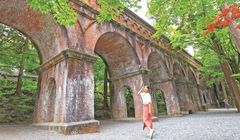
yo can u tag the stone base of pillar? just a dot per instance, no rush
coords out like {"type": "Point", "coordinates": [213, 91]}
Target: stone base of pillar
{"type": "Point", "coordinates": [72, 128]}
{"type": "Point", "coordinates": [205, 108]}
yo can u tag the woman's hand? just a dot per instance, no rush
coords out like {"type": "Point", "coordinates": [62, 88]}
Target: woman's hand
{"type": "Point", "coordinates": [149, 108]}
{"type": "Point", "coordinates": [140, 91]}
{"type": "Point", "coordinates": [150, 111]}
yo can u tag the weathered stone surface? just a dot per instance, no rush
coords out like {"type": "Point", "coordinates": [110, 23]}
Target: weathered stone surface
{"type": "Point", "coordinates": [72, 128]}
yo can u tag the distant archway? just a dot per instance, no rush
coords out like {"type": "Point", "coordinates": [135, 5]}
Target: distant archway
{"type": "Point", "coordinates": [159, 103]}
{"type": "Point", "coordinates": [19, 61]}
{"type": "Point", "coordinates": [127, 102]}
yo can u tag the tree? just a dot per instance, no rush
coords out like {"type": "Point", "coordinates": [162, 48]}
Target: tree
{"type": "Point", "coordinates": [18, 76]}
{"type": "Point", "coordinates": [17, 53]}
{"type": "Point", "coordinates": [227, 18]}
{"type": "Point", "coordinates": [101, 80]}
{"type": "Point", "coordinates": [184, 22]}
{"type": "Point", "coordinates": [60, 9]}
{"type": "Point", "coordinates": [113, 8]}
{"type": "Point", "coordinates": [65, 15]}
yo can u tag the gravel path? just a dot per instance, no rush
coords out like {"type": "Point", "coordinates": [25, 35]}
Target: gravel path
{"type": "Point", "coordinates": [214, 125]}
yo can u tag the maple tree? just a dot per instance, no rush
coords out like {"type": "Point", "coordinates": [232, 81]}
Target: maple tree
{"type": "Point", "coordinates": [224, 18]}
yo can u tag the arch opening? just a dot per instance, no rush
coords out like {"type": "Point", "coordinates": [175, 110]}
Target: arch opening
{"type": "Point", "coordinates": [159, 103]}
{"type": "Point", "coordinates": [19, 62]}
{"type": "Point", "coordinates": [101, 90]}
{"type": "Point", "coordinates": [129, 102]}
{"type": "Point", "coordinates": [119, 58]}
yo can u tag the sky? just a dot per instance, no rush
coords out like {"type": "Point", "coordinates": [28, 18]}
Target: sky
{"type": "Point", "coordinates": [142, 13]}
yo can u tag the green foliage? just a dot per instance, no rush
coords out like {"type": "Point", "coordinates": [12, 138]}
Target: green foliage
{"type": "Point", "coordinates": [129, 102]}
{"type": "Point", "coordinates": [184, 22]}
{"type": "Point", "coordinates": [65, 15]}
{"type": "Point", "coordinates": [99, 68]}
{"type": "Point", "coordinates": [60, 9]}
{"type": "Point", "coordinates": [113, 8]}
{"type": "Point", "coordinates": [161, 105]}
{"type": "Point", "coordinates": [29, 86]}
{"type": "Point", "coordinates": [14, 47]}
{"type": "Point", "coordinates": [100, 111]}
{"type": "Point", "coordinates": [15, 109]}
{"type": "Point", "coordinates": [211, 68]}
{"type": "Point", "coordinates": [236, 75]}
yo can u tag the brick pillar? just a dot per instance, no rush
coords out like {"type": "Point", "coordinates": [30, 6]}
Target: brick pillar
{"type": "Point", "coordinates": [202, 89]}
{"type": "Point", "coordinates": [184, 99]}
{"type": "Point", "coordinates": [73, 108]}
{"type": "Point", "coordinates": [193, 91]}
{"type": "Point", "coordinates": [172, 103]}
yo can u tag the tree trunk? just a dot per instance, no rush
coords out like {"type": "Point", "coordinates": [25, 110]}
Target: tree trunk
{"type": "Point", "coordinates": [105, 93]}
{"type": "Point", "coordinates": [233, 29]}
{"type": "Point", "coordinates": [227, 72]}
{"type": "Point", "coordinates": [224, 90]}
{"type": "Point", "coordinates": [21, 50]}
{"type": "Point", "coordinates": [20, 76]}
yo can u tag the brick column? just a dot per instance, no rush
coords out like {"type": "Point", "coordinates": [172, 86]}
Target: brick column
{"type": "Point", "coordinates": [184, 99]}
{"type": "Point", "coordinates": [73, 108]}
{"type": "Point", "coordinates": [193, 91]}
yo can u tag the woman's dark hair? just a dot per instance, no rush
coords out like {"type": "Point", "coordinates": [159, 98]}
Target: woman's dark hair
{"type": "Point", "coordinates": [147, 87]}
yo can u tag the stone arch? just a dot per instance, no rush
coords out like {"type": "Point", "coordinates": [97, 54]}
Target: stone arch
{"type": "Point", "coordinates": [120, 58]}
{"type": "Point", "coordinates": [191, 76]}
{"type": "Point", "coordinates": [41, 29]}
{"type": "Point", "coordinates": [98, 30]}
{"type": "Point", "coordinates": [156, 65]}
{"type": "Point", "coordinates": [159, 79]}
{"type": "Point", "coordinates": [125, 108]}
{"type": "Point", "coordinates": [117, 52]}
{"type": "Point", "coordinates": [159, 102]}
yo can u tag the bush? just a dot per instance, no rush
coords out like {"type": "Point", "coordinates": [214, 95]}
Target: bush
{"type": "Point", "coordinates": [16, 109]}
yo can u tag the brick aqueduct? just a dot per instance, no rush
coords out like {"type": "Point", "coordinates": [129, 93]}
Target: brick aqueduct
{"type": "Point", "coordinates": [65, 96]}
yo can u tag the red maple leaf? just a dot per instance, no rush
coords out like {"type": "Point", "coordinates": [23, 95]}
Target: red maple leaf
{"type": "Point", "coordinates": [224, 18]}
{"type": "Point", "coordinates": [225, 11]}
